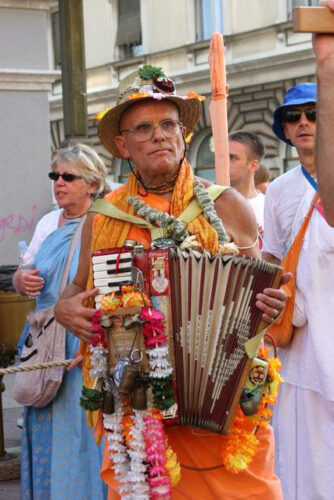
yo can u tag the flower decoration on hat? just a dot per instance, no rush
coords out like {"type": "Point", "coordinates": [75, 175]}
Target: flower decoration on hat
{"type": "Point", "coordinates": [100, 115]}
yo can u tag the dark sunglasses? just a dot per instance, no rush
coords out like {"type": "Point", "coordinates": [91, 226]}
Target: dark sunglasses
{"type": "Point", "coordinates": [54, 176]}
{"type": "Point", "coordinates": [293, 115]}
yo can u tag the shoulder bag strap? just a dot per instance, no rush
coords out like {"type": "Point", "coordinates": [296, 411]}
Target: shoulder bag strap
{"type": "Point", "coordinates": [70, 255]}
{"type": "Point", "coordinates": [297, 242]}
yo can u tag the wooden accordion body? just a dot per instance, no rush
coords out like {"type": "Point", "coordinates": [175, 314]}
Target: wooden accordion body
{"type": "Point", "coordinates": [210, 314]}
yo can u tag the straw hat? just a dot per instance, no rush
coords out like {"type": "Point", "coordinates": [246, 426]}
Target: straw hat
{"type": "Point", "coordinates": [148, 82]}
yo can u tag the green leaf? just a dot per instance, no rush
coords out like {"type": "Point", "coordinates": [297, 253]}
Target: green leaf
{"type": "Point", "coordinates": [149, 72]}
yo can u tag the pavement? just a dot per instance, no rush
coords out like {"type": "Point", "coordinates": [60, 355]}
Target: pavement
{"type": "Point", "coordinates": [10, 468]}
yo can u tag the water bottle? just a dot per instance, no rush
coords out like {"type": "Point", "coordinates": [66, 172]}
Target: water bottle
{"type": "Point", "coordinates": [25, 258]}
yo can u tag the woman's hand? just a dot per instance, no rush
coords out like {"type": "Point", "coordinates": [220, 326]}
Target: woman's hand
{"type": "Point", "coordinates": [28, 282]}
{"type": "Point", "coordinates": [271, 301]}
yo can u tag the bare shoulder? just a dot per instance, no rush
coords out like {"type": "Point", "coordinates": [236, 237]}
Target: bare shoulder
{"type": "Point", "coordinates": [239, 220]}
{"type": "Point", "coordinates": [231, 202]}
{"type": "Point", "coordinates": [205, 182]}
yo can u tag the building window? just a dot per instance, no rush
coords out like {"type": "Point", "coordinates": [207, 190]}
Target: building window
{"type": "Point", "coordinates": [209, 18]}
{"type": "Point", "coordinates": [298, 3]}
{"type": "Point", "coordinates": [129, 38]}
{"type": "Point", "coordinates": [205, 161]}
{"type": "Point", "coordinates": [55, 30]}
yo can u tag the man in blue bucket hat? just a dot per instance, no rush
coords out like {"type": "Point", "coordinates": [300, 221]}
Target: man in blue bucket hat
{"type": "Point", "coordinates": [303, 421]}
{"type": "Point", "coordinates": [295, 98]}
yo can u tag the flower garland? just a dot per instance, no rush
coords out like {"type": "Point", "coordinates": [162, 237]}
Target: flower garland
{"type": "Point", "coordinates": [155, 446]}
{"type": "Point", "coordinates": [117, 447]}
{"type": "Point", "coordinates": [145, 467]}
{"type": "Point", "coordinates": [143, 463]}
{"type": "Point", "coordinates": [128, 298]}
{"type": "Point", "coordinates": [158, 356]}
{"type": "Point", "coordinates": [240, 444]}
{"type": "Point", "coordinates": [92, 398]}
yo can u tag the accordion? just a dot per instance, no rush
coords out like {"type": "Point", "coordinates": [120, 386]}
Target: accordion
{"type": "Point", "coordinates": [210, 317]}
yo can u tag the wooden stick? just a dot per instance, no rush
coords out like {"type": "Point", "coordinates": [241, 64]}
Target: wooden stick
{"type": "Point", "coordinates": [313, 20]}
{"type": "Point", "coordinates": [41, 366]}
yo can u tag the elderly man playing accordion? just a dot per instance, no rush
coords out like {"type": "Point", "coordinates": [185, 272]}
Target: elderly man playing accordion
{"type": "Point", "coordinates": [148, 127]}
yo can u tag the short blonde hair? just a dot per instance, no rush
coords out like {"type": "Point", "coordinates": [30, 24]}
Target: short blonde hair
{"type": "Point", "coordinates": [87, 163]}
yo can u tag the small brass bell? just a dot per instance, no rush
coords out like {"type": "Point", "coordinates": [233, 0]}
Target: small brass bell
{"type": "Point", "coordinates": [129, 379]}
{"type": "Point", "coordinates": [139, 399]}
{"type": "Point", "coordinates": [108, 403]}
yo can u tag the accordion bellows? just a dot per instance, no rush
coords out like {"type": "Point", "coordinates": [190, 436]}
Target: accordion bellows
{"type": "Point", "coordinates": [210, 314]}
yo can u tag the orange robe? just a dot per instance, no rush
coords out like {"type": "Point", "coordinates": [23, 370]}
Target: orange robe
{"type": "Point", "coordinates": [201, 449]}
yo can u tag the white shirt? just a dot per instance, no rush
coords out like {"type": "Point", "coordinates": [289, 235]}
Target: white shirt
{"type": "Point", "coordinates": [45, 226]}
{"type": "Point", "coordinates": [282, 199]}
{"type": "Point", "coordinates": [257, 204]}
{"type": "Point", "coordinates": [308, 360]}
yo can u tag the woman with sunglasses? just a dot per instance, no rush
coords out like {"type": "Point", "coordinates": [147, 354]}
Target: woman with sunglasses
{"type": "Point", "coordinates": [60, 458]}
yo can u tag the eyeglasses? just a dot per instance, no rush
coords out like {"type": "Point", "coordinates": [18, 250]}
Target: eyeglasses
{"type": "Point", "coordinates": [145, 131]}
{"type": "Point", "coordinates": [294, 115]}
{"type": "Point", "coordinates": [54, 176]}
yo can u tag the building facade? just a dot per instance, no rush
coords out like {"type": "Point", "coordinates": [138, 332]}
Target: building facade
{"type": "Point", "coordinates": [263, 58]}
{"type": "Point", "coordinates": [26, 77]}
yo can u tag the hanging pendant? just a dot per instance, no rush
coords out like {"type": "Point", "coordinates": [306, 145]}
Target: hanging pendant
{"type": "Point", "coordinates": [108, 403]}
{"type": "Point", "coordinates": [129, 379]}
{"type": "Point", "coordinates": [139, 398]}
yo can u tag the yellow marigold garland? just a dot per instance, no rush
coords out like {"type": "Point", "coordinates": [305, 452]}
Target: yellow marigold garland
{"type": "Point", "coordinates": [240, 445]}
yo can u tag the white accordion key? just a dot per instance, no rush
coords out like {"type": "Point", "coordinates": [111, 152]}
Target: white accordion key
{"type": "Point", "coordinates": [101, 270]}
{"type": "Point", "coordinates": [111, 259]}
{"type": "Point", "coordinates": [113, 280]}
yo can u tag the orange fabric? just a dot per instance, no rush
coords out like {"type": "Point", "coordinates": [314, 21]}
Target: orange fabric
{"type": "Point", "coordinates": [282, 329]}
{"type": "Point", "coordinates": [199, 449]}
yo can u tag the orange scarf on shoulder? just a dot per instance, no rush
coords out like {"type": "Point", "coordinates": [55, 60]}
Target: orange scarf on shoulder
{"type": "Point", "coordinates": [109, 232]}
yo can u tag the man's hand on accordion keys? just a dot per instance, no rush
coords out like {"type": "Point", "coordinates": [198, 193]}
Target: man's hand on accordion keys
{"type": "Point", "coordinates": [74, 316]}
{"type": "Point", "coordinates": [271, 301]}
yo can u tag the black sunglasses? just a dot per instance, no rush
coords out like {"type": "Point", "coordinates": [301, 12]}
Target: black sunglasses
{"type": "Point", "coordinates": [293, 115]}
{"type": "Point", "coordinates": [54, 176]}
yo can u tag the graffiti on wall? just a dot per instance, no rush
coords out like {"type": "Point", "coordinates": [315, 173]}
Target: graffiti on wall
{"type": "Point", "coordinates": [16, 224]}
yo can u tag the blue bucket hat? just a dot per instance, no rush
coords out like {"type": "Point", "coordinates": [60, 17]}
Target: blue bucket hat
{"type": "Point", "coordinates": [303, 93]}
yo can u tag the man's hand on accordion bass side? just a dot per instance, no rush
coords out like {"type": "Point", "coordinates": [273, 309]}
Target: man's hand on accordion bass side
{"type": "Point", "coordinates": [272, 301]}
{"type": "Point", "coordinates": [74, 316]}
